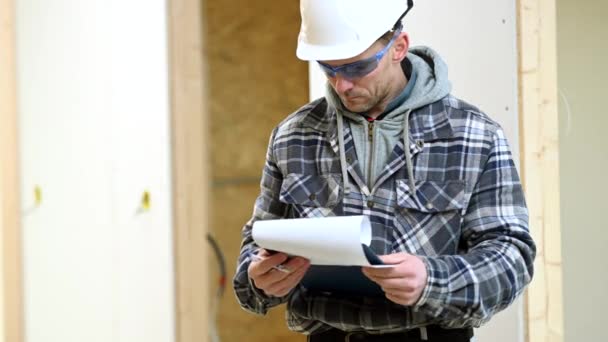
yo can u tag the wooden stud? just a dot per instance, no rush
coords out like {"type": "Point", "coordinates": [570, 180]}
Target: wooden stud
{"type": "Point", "coordinates": [190, 174]}
{"type": "Point", "coordinates": [540, 164]}
{"type": "Point", "coordinates": [11, 318]}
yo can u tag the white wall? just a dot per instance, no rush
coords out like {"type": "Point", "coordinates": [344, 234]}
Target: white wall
{"type": "Point", "coordinates": [94, 129]}
{"type": "Point", "coordinates": [582, 73]}
{"type": "Point", "coordinates": [477, 38]}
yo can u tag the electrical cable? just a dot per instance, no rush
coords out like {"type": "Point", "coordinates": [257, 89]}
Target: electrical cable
{"type": "Point", "coordinates": [221, 261]}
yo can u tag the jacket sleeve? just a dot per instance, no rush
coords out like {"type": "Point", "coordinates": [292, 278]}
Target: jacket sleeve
{"type": "Point", "coordinates": [466, 290]}
{"type": "Point", "coordinates": [267, 206]}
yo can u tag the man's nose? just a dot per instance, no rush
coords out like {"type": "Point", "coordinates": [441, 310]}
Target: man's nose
{"type": "Point", "coordinates": [342, 84]}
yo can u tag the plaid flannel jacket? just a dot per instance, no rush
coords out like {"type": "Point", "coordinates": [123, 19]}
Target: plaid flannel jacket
{"type": "Point", "coordinates": [467, 221]}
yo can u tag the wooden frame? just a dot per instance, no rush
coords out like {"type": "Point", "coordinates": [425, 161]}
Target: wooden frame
{"type": "Point", "coordinates": [540, 164]}
{"type": "Point", "coordinates": [10, 216]}
{"type": "Point", "coordinates": [190, 174]}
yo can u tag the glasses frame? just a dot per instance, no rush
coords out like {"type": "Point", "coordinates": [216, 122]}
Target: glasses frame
{"type": "Point", "coordinates": [351, 70]}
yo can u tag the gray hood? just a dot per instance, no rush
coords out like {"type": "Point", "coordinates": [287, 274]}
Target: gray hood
{"type": "Point", "coordinates": [430, 84]}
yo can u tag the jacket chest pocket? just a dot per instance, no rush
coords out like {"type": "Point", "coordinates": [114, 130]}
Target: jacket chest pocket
{"type": "Point", "coordinates": [429, 222]}
{"type": "Point", "coordinates": [311, 195]}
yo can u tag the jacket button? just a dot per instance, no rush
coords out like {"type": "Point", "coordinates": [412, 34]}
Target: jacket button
{"type": "Point", "coordinates": [312, 197]}
{"type": "Point", "coordinates": [420, 144]}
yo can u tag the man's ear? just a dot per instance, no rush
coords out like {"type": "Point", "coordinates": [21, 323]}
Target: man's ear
{"type": "Point", "coordinates": [400, 47]}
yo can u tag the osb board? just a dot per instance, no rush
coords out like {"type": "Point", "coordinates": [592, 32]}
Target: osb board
{"type": "Point", "coordinates": [232, 207]}
{"type": "Point", "coordinates": [255, 79]}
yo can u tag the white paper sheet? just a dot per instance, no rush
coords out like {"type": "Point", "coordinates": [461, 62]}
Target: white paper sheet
{"type": "Point", "coordinates": [324, 241]}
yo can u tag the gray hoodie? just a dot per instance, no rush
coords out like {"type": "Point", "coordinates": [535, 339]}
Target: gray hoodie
{"type": "Point", "coordinates": [430, 84]}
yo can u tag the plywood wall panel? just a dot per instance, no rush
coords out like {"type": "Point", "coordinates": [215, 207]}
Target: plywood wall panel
{"type": "Point", "coordinates": [255, 81]}
{"type": "Point", "coordinates": [233, 205]}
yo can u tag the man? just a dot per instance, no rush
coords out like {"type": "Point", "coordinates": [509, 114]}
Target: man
{"type": "Point", "coordinates": [433, 174]}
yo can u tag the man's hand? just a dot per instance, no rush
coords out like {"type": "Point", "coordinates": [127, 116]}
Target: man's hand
{"type": "Point", "coordinates": [273, 281]}
{"type": "Point", "coordinates": [404, 282]}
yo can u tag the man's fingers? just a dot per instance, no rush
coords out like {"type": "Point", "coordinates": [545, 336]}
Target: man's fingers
{"type": "Point", "coordinates": [397, 271]}
{"type": "Point", "coordinates": [285, 285]}
{"type": "Point", "coordinates": [404, 269]}
{"type": "Point", "coordinates": [261, 267]}
{"type": "Point", "coordinates": [392, 259]}
{"type": "Point", "coordinates": [295, 264]}
{"type": "Point", "coordinates": [273, 280]}
{"type": "Point", "coordinates": [380, 273]}
{"type": "Point", "coordinates": [397, 284]}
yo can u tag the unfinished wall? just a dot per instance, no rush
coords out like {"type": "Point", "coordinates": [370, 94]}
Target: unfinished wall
{"type": "Point", "coordinates": [255, 80]}
{"type": "Point", "coordinates": [582, 74]}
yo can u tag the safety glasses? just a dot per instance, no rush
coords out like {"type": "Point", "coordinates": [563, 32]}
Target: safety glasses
{"type": "Point", "coordinates": [360, 68]}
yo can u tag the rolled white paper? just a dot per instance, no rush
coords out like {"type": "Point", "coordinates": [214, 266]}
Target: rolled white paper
{"type": "Point", "coordinates": [324, 241]}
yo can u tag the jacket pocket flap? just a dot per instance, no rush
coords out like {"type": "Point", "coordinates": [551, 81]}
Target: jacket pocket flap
{"type": "Point", "coordinates": [431, 196]}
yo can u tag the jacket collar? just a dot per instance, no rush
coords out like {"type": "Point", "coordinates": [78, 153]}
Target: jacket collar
{"type": "Point", "coordinates": [429, 123]}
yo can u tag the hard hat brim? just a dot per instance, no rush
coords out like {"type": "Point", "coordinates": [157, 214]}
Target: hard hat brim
{"type": "Point", "coordinates": [310, 52]}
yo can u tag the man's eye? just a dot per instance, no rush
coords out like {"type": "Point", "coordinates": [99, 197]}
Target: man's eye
{"type": "Point", "coordinates": [361, 68]}
{"type": "Point", "coordinates": [358, 67]}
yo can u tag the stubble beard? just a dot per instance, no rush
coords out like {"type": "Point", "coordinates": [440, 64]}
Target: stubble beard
{"type": "Point", "coordinates": [361, 104]}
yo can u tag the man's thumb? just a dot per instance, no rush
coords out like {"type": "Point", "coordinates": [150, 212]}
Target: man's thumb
{"type": "Point", "coordinates": [391, 259]}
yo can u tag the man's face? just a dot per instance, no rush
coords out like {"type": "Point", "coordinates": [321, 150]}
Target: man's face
{"type": "Point", "coordinates": [361, 94]}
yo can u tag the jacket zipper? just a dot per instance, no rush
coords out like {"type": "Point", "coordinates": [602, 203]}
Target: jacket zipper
{"type": "Point", "coordinates": [370, 136]}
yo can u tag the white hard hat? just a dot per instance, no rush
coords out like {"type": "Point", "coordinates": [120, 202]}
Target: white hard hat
{"type": "Point", "coordinates": [341, 29]}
